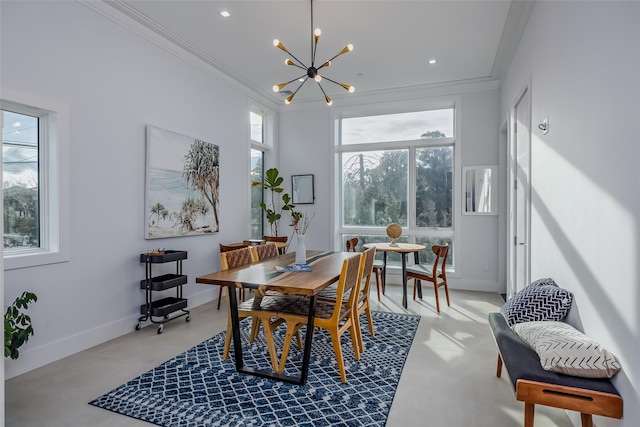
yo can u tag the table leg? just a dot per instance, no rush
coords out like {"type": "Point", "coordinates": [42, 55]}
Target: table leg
{"type": "Point", "coordinates": [308, 341]}
{"type": "Point", "coordinates": [235, 328]}
{"type": "Point", "coordinates": [404, 279]}
{"type": "Point", "coordinates": [416, 261]}
{"type": "Point", "coordinates": [384, 269]}
{"type": "Point", "coordinates": [237, 345]}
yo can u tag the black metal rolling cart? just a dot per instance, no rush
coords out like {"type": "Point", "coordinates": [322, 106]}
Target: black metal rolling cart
{"type": "Point", "coordinates": [162, 308]}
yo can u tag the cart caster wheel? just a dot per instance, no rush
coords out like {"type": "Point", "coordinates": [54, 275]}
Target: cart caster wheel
{"type": "Point", "coordinates": [160, 329]}
{"type": "Point", "coordinates": [188, 318]}
{"type": "Point", "coordinates": [138, 326]}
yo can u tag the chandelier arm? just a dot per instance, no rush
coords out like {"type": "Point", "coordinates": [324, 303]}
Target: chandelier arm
{"type": "Point", "coordinates": [329, 101]}
{"type": "Point", "coordinates": [296, 65]}
{"type": "Point", "coordinates": [346, 87]}
{"type": "Point", "coordinates": [290, 81]}
{"type": "Point", "coordinates": [304, 67]}
{"type": "Point", "coordinates": [343, 51]}
{"type": "Point", "coordinates": [301, 84]}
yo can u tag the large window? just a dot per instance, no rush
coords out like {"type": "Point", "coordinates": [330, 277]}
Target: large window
{"type": "Point", "coordinates": [398, 168]}
{"type": "Point", "coordinates": [260, 141]}
{"type": "Point", "coordinates": [34, 182]}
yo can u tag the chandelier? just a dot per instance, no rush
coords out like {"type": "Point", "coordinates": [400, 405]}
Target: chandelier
{"type": "Point", "coordinates": [311, 72]}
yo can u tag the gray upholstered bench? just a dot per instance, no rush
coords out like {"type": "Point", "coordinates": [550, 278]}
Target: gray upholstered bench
{"type": "Point", "coordinates": [534, 385]}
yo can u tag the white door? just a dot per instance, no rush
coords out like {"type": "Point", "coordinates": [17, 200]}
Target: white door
{"type": "Point", "coordinates": [520, 196]}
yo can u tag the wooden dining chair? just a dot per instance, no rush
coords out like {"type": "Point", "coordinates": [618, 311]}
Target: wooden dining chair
{"type": "Point", "coordinates": [227, 248]}
{"type": "Point", "coordinates": [238, 258]}
{"type": "Point", "coordinates": [277, 239]}
{"type": "Point", "coordinates": [335, 317]}
{"type": "Point", "coordinates": [378, 265]}
{"type": "Point", "coordinates": [362, 303]}
{"type": "Point", "coordinates": [231, 259]}
{"type": "Point", "coordinates": [436, 273]}
{"type": "Point", "coordinates": [268, 250]}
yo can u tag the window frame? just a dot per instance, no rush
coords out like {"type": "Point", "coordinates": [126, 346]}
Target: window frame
{"type": "Point", "coordinates": [411, 231]}
{"type": "Point", "coordinates": [53, 179]}
{"type": "Point", "coordinates": [266, 147]}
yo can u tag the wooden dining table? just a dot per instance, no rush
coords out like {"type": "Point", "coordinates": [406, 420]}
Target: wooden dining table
{"type": "Point", "coordinates": [325, 270]}
{"type": "Point", "coordinates": [403, 249]}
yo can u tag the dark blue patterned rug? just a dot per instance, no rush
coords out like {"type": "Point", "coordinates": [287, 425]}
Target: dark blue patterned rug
{"type": "Point", "coordinates": [197, 388]}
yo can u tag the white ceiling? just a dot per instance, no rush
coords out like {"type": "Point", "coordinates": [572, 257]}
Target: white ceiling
{"type": "Point", "coordinates": [393, 40]}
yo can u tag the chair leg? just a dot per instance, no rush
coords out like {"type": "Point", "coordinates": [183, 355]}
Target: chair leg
{"type": "Point", "coordinates": [219, 296]}
{"type": "Point", "coordinates": [435, 288]}
{"type": "Point", "coordinates": [446, 292]}
{"type": "Point", "coordinates": [415, 283]}
{"type": "Point", "coordinates": [227, 338]}
{"type": "Point", "coordinates": [268, 333]}
{"type": "Point", "coordinates": [378, 283]}
{"type": "Point", "coordinates": [355, 323]}
{"type": "Point", "coordinates": [372, 332]}
{"type": "Point", "coordinates": [586, 419]}
{"type": "Point", "coordinates": [499, 367]}
{"type": "Point", "coordinates": [338, 351]}
{"type": "Point", "coordinates": [356, 338]}
{"type": "Point", "coordinates": [292, 329]}
{"type": "Point", "coordinates": [529, 411]}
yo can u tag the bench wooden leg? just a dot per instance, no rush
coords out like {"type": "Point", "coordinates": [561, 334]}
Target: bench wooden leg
{"type": "Point", "coordinates": [499, 369]}
{"type": "Point", "coordinates": [587, 420]}
{"type": "Point", "coordinates": [529, 410]}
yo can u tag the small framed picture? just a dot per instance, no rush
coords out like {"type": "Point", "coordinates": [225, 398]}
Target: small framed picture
{"type": "Point", "coordinates": [302, 186]}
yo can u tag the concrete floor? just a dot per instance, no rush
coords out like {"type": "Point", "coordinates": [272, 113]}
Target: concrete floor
{"type": "Point", "coordinates": [448, 380]}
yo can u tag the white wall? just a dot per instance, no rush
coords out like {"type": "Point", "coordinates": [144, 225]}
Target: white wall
{"type": "Point", "coordinates": [583, 62]}
{"type": "Point", "coordinates": [305, 141]}
{"type": "Point", "coordinates": [115, 83]}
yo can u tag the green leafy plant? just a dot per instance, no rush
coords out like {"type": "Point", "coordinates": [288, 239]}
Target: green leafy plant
{"type": "Point", "coordinates": [273, 182]}
{"type": "Point", "coordinates": [17, 325]}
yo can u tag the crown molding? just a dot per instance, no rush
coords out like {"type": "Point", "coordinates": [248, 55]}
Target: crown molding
{"type": "Point", "coordinates": [132, 20]}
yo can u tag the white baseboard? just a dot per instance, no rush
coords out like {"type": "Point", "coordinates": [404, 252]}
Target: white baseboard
{"type": "Point", "coordinates": [36, 357]}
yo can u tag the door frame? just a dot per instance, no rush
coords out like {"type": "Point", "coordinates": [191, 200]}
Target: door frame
{"type": "Point", "coordinates": [513, 241]}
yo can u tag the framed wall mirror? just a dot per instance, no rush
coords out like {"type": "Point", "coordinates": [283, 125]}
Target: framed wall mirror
{"type": "Point", "coordinates": [302, 189]}
{"type": "Point", "coordinates": [480, 191]}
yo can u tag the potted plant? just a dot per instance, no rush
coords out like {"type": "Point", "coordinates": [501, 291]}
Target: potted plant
{"type": "Point", "coordinates": [17, 325]}
{"type": "Point", "coordinates": [273, 182]}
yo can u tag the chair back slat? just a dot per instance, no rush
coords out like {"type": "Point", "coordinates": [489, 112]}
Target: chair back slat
{"type": "Point", "coordinates": [351, 244]}
{"type": "Point", "coordinates": [268, 250]}
{"type": "Point", "coordinates": [440, 263]}
{"type": "Point", "coordinates": [367, 270]}
{"type": "Point", "coordinates": [231, 247]}
{"type": "Point", "coordinates": [238, 257]}
{"type": "Point", "coordinates": [281, 239]}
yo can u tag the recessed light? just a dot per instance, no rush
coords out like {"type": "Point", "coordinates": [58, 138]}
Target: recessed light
{"type": "Point", "coordinates": [432, 61]}
{"type": "Point", "coordinates": [225, 14]}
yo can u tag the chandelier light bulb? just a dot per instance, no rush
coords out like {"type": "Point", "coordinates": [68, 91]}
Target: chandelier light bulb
{"type": "Point", "coordinates": [276, 88]}
{"type": "Point", "coordinates": [289, 62]}
{"type": "Point", "coordinates": [317, 32]}
{"type": "Point", "coordinates": [318, 78]}
{"type": "Point", "coordinates": [327, 64]}
{"type": "Point", "coordinates": [276, 42]}
{"type": "Point", "coordinates": [329, 101]}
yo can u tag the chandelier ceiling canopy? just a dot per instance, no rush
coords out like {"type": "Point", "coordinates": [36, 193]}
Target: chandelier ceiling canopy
{"type": "Point", "coordinates": [312, 71]}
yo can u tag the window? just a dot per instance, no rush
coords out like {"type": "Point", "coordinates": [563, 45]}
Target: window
{"type": "Point", "coordinates": [398, 168]}
{"type": "Point", "coordinates": [35, 182]}
{"type": "Point", "coordinates": [20, 177]}
{"type": "Point", "coordinates": [259, 148]}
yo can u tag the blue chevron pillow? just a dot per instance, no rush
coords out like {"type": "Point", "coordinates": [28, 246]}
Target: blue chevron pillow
{"type": "Point", "coordinates": [565, 350]}
{"type": "Point", "coordinates": [541, 300]}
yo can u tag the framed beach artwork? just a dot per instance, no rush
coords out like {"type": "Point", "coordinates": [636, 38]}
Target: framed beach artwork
{"type": "Point", "coordinates": [181, 188]}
